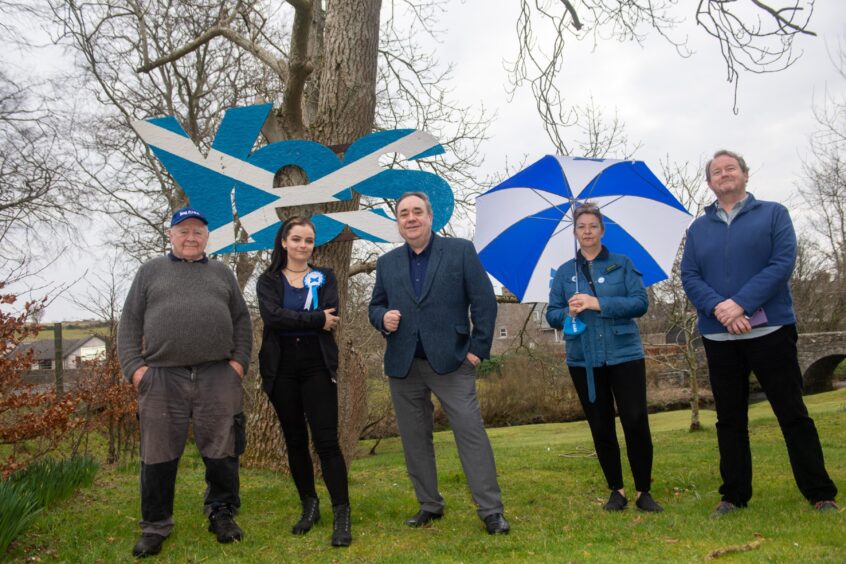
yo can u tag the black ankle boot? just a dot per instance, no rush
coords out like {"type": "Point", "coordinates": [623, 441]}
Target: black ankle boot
{"type": "Point", "coordinates": [342, 529]}
{"type": "Point", "coordinates": [310, 516]}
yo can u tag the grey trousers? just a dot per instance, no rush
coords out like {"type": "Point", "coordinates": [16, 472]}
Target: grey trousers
{"type": "Point", "coordinates": [210, 395]}
{"type": "Point", "coordinates": [412, 398]}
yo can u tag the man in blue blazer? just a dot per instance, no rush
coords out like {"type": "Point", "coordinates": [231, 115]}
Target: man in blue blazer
{"type": "Point", "coordinates": [420, 303]}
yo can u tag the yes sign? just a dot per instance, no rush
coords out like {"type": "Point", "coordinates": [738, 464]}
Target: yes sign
{"type": "Point", "coordinates": [232, 171]}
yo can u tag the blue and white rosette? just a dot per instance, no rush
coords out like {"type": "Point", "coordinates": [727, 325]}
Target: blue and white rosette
{"type": "Point", "coordinates": [313, 281]}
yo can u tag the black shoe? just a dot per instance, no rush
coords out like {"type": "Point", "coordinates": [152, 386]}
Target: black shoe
{"type": "Point", "coordinates": [723, 508]}
{"type": "Point", "coordinates": [310, 516]}
{"type": "Point", "coordinates": [223, 525]}
{"type": "Point", "coordinates": [617, 502]}
{"type": "Point", "coordinates": [342, 527]}
{"type": "Point", "coordinates": [646, 503]}
{"type": "Point", "coordinates": [422, 518]}
{"type": "Point", "coordinates": [148, 545]}
{"type": "Point", "coordinates": [496, 524]}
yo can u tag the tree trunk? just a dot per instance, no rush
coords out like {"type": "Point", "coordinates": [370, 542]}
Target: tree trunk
{"type": "Point", "coordinates": [695, 424]}
{"type": "Point", "coordinates": [345, 111]}
{"type": "Point", "coordinates": [693, 373]}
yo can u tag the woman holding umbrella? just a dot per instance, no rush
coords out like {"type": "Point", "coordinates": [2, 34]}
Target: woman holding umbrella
{"type": "Point", "coordinates": [597, 295]}
{"type": "Point", "coordinates": [298, 361]}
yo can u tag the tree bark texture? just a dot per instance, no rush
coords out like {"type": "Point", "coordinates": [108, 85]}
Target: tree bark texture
{"type": "Point", "coordinates": [345, 111]}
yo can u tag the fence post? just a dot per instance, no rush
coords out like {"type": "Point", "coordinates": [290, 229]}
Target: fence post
{"type": "Point", "coordinates": [58, 367]}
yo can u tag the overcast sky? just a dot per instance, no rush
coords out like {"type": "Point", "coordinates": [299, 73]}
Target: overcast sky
{"type": "Point", "coordinates": [672, 106]}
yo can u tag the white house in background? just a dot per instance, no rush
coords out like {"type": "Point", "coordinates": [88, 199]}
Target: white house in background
{"type": "Point", "coordinates": [74, 351]}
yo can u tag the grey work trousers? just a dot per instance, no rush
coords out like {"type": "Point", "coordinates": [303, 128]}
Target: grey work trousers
{"type": "Point", "coordinates": [210, 395]}
{"type": "Point", "coordinates": [412, 398]}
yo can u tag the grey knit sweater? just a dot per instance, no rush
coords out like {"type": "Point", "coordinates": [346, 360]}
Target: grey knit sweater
{"type": "Point", "coordinates": [183, 314]}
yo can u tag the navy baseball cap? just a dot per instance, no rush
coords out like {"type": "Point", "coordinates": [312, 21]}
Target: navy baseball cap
{"type": "Point", "coordinates": [187, 213]}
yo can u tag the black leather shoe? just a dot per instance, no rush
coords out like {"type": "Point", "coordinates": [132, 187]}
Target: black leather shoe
{"type": "Point", "coordinates": [224, 527]}
{"type": "Point", "coordinates": [496, 524]}
{"type": "Point", "coordinates": [422, 518]}
{"type": "Point", "coordinates": [149, 544]}
{"type": "Point", "coordinates": [310, 516]}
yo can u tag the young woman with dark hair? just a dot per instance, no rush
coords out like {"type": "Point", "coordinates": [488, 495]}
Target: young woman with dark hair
{"type": "Point", "coordinates": [298, 361]}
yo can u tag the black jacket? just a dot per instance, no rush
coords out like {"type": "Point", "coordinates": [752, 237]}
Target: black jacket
{"type": "Point", "coordinates": [270, 292]}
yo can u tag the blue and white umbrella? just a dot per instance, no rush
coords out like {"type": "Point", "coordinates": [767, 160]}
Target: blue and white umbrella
{"type": "Point", "coordinates": [524, 226]}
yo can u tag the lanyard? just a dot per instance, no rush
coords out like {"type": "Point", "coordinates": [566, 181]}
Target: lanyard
{"type": "Point", "coordinates": [586, 271]}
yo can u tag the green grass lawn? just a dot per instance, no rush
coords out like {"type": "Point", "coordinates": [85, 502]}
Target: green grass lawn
{"type": "Point", "coordinates": [552, 492]}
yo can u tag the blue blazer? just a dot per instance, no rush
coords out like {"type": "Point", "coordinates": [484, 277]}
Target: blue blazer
{"type": "Point", "coordinates": [456, 282]}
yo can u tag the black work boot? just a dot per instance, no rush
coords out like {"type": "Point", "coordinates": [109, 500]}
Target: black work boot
{"type": "Point", "coordinates": [342, 528]}
{"type": "Point", "coordinates": [222, 524]}
{"type": "Point", "coordinates": [310, 516]}
{"type": "Point", "coordinates": [148, 545]}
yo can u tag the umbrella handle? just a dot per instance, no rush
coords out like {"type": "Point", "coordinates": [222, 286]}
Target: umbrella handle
{"type": "Point", "coordinates": [573, 326]}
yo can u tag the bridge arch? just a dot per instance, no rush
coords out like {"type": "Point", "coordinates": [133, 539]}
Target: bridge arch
{"type": "Point", "coordinates": [819, 356]}
{"type": "Point", "coordinates": [819, 377]}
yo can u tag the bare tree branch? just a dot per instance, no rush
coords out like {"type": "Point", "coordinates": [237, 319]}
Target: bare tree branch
{"type": "Point", "coordinates": [299, 68]}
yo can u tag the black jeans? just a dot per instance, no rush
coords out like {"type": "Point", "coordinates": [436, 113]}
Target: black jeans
{"type": "Point", "coordinates": [304, 391]}
{"type": "Point", "coordinates": [624, 383]}
{"type": "Point", "coordinates": [773, 360]}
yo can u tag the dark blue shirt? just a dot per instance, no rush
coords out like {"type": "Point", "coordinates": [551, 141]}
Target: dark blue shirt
{"type": "Point", "coordinates": [175, 258]}
{"type": "Point", "coordinates": [417, 266]}
{"type": "Point", "coordinates": [294, 299]}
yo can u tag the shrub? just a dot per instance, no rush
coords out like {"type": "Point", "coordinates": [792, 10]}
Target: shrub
{"type": "Point", "coordinates": [531, 387]}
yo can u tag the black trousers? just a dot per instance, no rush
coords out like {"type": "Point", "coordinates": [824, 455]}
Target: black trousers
{"type": "Point", "coordinates": [304, 391]}
{"type": "Point", "coordinates": [624, 384]}
{"type": "Point", "coordinates": [773, 360]}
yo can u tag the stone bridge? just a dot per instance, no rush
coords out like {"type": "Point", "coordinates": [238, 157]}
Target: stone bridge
{"type": "Point", "coordinates": [819, 355]}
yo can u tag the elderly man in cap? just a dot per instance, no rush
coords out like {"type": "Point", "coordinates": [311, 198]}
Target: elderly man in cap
{"type": "Point", "coordinates": [184, 343]}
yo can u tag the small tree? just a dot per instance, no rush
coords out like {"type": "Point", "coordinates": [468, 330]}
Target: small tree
{"type": "Point", "coordinates": [668, 298]}
{"type": "Point", "coordinates": [29, 417]}
{"type": "Point", "coordinates": [111, 402]}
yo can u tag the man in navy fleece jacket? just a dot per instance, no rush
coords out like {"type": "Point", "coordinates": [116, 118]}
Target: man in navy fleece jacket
{"type": "Point", "coordinates": [738, 258]}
